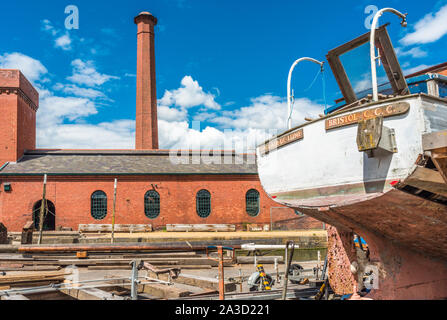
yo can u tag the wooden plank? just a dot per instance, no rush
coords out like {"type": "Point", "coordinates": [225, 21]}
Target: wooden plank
{"type": "Point", "coordinates": [391, 64]}
{"type": "Point", "coordinates": [34, 277]}
{"type": "Point", "coordinates": [163, 291]}
{"type": "Point", "coordinates": [342, 78]}
{"type": "Point", "coordinates": [355, 43]}
{"type": "Point", "coordinates": [118, 228]}
{"type": "Point", "coordinates": [199, 281]}
{"type": "Point", "coordinates": [157, 290]}
{"type": "Point", "coordinates": [200, 227]}
{"type": "Point", "coordinates": [434, 140]}
{"type": "Point", "coordinates": [14, 297]}
{"type": "Point", "coordinates": [91, 294]}
{"type": "Point", "coordinates": [32, 268]}
{"type": "Point", "coordinates": [439, 158]}
{"type": "Point", "coordinates": [128, 267]}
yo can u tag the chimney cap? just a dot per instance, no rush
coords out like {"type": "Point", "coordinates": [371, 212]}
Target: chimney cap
{"type": "Point", "coordinates": [145, 16]}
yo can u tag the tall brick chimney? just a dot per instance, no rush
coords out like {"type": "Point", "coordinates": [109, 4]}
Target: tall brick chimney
{"type": "Point", "coordinates": [19, 102]}
{"type": "Point", "coordinates": [146, 135]}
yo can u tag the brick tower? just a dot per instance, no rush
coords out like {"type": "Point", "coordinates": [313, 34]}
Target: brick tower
{"type": "Point", "coordinates": [146, 135]}
{"type": "Point", "coordinates": [19, 102]}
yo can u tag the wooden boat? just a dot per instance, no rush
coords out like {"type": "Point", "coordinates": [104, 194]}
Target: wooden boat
{"type": "Point", "coordinates": [374, 169]}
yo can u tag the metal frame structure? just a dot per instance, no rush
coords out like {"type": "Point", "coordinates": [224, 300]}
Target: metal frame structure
{"type": "Point", "coordinates": [388, 58]}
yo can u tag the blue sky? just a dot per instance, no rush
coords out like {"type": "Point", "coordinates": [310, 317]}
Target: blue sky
{"type": "Point", "coordinates": [223, 63]}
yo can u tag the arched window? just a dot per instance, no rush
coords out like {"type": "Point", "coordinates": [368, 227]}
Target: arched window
{"type": "Point", "coordinates": [99, 205]}
{"type": "Point", "coordinates": [252, 202]}
{"type": "Point", "coordinates": [152, 204]}
{"type": "Point", "coordinates": [203, 203]}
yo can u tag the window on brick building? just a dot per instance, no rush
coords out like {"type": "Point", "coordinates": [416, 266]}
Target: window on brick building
{"type": "Point", "coordinates": [152, 204]}
{"type": "Point", "coordinates": [203, 203]}
{"type": "Point", "coordinates": [252, 202]}
{"type": "Point", "coordinates": [99, 205]}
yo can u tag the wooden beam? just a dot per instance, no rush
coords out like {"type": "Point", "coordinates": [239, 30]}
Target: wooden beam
{"type": "Point", "coordinates": [428, 179]}
{"type": "Point", "coordinates": [434, 140]}
{"type": "Point", "coordinates": [199, 281]}
{"type": "Point", "coordinates": [117, 228]}
{"type": "Point", "coordinates": [157, 290]}
{"type": "Point", "coordinates": [200, 227]}
{"type": "Point", "coordinates": [342, 78]}
{"type": "Point", "coordinates": [91, 294]}
{"type": "Point", "coordinates": [14, 297]}
{"type": "Point", "coordinates": [391, 64]}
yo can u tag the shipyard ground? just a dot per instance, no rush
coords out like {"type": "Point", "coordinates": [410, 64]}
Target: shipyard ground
{"type": "Point", "coordinates": [106, 275]}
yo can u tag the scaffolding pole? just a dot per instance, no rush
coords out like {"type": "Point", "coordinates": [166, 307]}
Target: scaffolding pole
{"type": "Point", "coordinates": [42, 209]}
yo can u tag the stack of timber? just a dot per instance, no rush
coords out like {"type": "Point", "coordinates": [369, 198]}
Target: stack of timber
{"type": "Point", "coordinates": [104, 261]}
{"type": "Point", "coordinates": [29, 279]}
{"type": "Point", "coordinates": [200, 228]}
{"type": "Point", "coordinates": [49, 237]}
{"type": "Point", "coordinates": [107, 228]}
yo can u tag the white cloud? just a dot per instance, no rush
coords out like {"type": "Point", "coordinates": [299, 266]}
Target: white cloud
{"type": "Point", "coordinates": [31, 68]}
{"type": "Point", "coordinates": [415, 52]}
{"type": "Point", "coordinates": [62, 121]}
{"type": "Point", "coordinates": [171, 114]}
{"type": "Point", "coordinates": [84, 73]}
{"type": "Point", "coordinates": [189, 95]}
{"type": "Point", "coordinates": [429, 29]}
{"type": "Point", "coordinates": [78, 91]}
{"type": "Point", "coordinates": [411, 70]}
{"type": "Point", "coordinates": [54, 109]}
{"type": "Point", "coordinates": [63, 42]}
{"type": "Point", "coordinates": [48, 27]}
{"type": "Point", "coordinates": [118, 134]}
{"type": "Point", "coordinates": [268, 112]}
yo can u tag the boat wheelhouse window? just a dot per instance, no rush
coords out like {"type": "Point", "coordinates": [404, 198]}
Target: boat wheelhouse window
{"type": "Point", "coordinates": [252, 202]}
{"type": "Point", "coordinates": [99, 205]}
{"type": "Point", "coordinates": [203, 203]}
{"type": "Point", "coordinates": [393, 71]}
{"type": "Point", "coordinates": [152, 204]}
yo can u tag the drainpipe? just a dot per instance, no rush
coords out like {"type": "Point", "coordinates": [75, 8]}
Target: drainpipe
{"type": "Point", "coordinates": [289, 80]}
{"type": "Point", "coordinates": [373, 46]}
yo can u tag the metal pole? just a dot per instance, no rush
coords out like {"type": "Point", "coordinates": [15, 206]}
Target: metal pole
{"type": "Point", "coordinates": [113, 211]}
{"type": "Point", "coordinates": [289, 81]}
{"type": "Point", "coordinates": [42, 209]}
{"type": "Point", "coordinates": [286, 275]}
{"type": "Point", "coordinates": [373, 46]}
{"type": "Point", "coordinates": [221, 273]}
{"type": "Point", "coordinates": [134, 280]}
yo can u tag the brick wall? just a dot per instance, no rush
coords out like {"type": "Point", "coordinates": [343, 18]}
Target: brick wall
{"type": "Point", "coordinates": [71, 197]}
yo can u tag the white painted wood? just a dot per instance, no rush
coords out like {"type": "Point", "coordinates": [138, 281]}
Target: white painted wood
{"type": "Point", "coordinates": [200, 227]}
{"type": "Point", "coordinates": [331, 158]}
{"type": "Point", "coordinates": [118, 228]}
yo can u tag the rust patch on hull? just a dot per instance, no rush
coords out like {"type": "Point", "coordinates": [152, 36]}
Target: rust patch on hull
{"type": "Point", "coordinates": [406, 238]}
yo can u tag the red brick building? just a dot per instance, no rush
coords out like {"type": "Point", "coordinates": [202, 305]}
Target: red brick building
{"type": "Point", "coordinates": [153, 186]}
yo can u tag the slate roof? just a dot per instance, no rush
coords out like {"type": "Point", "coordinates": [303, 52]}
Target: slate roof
{"type": "Point", "coordinates": [126, 162]}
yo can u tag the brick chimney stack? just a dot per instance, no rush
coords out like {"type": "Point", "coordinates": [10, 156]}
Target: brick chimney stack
{"type": "Point", "coordinates": [146, 135]}
{"type": "Point", "coordinates": [19, 102]}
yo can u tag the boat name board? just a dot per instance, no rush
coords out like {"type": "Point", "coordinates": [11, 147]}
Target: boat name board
{"type": "Point", "coordinates": [384, 111]}
{"type": "Point", "coordinates": [282, 141]}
